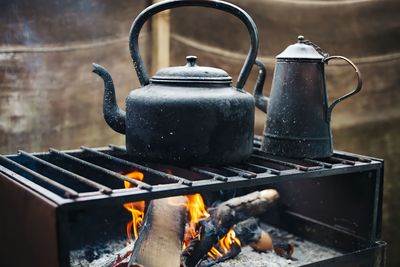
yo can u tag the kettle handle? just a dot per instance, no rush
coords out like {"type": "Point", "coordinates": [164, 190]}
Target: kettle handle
{"type": "Point", "coordinates": [354, 91]}
{"type": "Point", "coordinates": [216, 4]}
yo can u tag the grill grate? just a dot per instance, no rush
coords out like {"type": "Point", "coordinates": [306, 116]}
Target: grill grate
{"type": "Point", "coordinates": [100, 187]}
{"type": "Point", "coordinates": [92, 174]}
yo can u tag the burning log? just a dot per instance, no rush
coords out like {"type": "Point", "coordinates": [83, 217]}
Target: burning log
{"type": "Point", "coordinates": [222, 219]}
{"type": "Point", "coordinates": [250, 233]}
{"type": "Point", "coordinates": [159, 241]}
{"type": "Point", "coordinates": [247, 232]}
{"type": "Point", "coordinates": [201, 244]}
{"type": "Point", "coordinates": [241, 208]}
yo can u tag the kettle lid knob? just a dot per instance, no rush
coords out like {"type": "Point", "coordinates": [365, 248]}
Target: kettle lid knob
{"type": "Point", "coordinates": [192, 73]}
{"type": "Point", "coordinates": [300, 39]}
{"type": "Point", "coordinates": [191, 61]}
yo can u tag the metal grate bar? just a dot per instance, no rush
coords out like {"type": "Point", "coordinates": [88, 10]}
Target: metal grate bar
{"type": "Point", "coordinates": [242, 173]}
{"type": "Point", "coordinates": [320, 163]}
{"type": "Point", "coordinates": [343, 161]}
{"type": "Point", "coordinates": [68, 192]}
{"type": "Point", "coordinates": [216, 176]}
{"type": "Point", "coordinates": [269, 170]}
{"type": "Point", "coordinates": [213, 175]}
{"type": "Point", "coordinates": [116, 175]}
{"type": "Point", "coordinates": [118, 148]}
{"type": "Point", "coordinates": [103, 189]}
{"type": "Point", "coordinates": [257, 143]}
{"type": "Point", "coordinates": [284, 163]}
{"type": "Point", "coordinates": [352, 157]}
{"type": "Point", "coordinates": [258, 138]}
{"type": "Point", "coordinates": [139, 167]}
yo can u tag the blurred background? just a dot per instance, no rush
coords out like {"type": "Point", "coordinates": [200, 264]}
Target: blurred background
{"type": "Point", "coordinates": [50, 98]}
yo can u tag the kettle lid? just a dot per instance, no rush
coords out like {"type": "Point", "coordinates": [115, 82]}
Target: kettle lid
{"type": "Point", "coordinates": [301, 50]}
{"type": "Point", "coordinates": [192, 73]}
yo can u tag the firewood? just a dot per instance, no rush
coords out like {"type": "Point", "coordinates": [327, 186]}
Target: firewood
{"type": "Point", "coordinates": [201, 244]}
{"type": "Point", "coordinates": [247, 232]}
{"type": "Point", "coordinates": [239, 209]}
{"type": "Point", "coordinates": [223, 217]}
{"type": "Point", "coordinates": [160, 238]}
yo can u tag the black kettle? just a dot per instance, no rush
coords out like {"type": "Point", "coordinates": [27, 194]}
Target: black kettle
{"type": "Point", "coordinates": [298, 117]}
{"type": "Point", "coordinates": [187, 114]}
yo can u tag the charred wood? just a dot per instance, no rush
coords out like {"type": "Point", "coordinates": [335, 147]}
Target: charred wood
{"type": "Point", "coordinates": [285, 249]}
{"type": "Point", "coordinates": [241, 208]}
{"type": "Point", "coordinates": [201, 244]}
{"type": "Point", "coordinates": [248, 231]}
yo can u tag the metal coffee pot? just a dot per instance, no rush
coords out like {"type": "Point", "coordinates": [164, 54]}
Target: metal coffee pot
{"type": "Point", "coordinates": [187, 114]}
{"type": "Point", "coordinates": [298, 117]}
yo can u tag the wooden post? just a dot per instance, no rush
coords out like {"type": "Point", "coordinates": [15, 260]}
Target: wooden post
{"type": "Point", "coordinates": [160, 40]}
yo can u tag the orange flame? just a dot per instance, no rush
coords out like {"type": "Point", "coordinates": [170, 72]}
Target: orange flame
{"type": "Point", "coordinates": [225, 245]}
{"type": "Point", "coordinates": [197, 211]}
{"type": "Point", "coordinates": [136, 208]}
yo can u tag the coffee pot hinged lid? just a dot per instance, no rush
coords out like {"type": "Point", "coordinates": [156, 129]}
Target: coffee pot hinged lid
{"type": "Point", "coordinates": [303, 49]}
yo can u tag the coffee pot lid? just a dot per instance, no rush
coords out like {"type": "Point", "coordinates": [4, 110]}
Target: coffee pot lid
{"type": "Point", "coordinates": [303, 49]}
{"type": "Point", "coordinates": [191, 72]}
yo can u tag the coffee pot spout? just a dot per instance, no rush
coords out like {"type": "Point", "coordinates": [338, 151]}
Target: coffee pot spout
{"type": "Point", "coordinates": [114, 116]}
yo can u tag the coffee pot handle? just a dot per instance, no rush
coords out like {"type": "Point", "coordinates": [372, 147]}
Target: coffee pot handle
{"type": "Point", "coordinates": [354, 91]}
{"type": "Point", "coordinates": [216, 4]}
{"type": "Point", "coordinates": [260, 99]}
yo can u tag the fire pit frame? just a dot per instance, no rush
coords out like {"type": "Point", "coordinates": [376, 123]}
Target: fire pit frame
{"type": "Point", "coordinates": [34, 212]}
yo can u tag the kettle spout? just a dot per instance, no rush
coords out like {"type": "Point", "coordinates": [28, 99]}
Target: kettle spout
{"type": "Point", "coordinates": [114, 116]}
{"type": "Point", "coordinates": [261, 100]}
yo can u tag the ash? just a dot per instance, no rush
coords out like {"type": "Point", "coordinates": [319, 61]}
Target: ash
{"type": "Point", "coordinates": [305, 252]}
{"type": "Point", "coordinates": [104, 255]}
